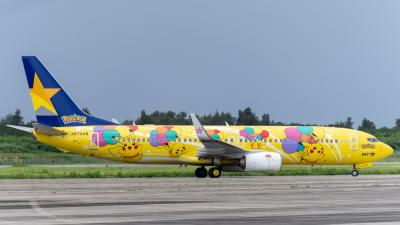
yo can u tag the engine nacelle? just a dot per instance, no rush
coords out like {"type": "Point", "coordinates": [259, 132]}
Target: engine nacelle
{"type": "Point", "coordinates": [261, 161]}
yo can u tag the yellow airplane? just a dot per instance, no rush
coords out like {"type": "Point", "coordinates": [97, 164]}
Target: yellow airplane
{"type": "Point", "coordinates": [61, 123]}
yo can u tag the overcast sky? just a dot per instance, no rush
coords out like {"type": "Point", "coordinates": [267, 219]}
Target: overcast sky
{"type": "Point", "coordinates": [301, 61]}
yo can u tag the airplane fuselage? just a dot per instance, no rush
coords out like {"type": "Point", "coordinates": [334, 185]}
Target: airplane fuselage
{"type": "Point", "coordinates": [150, 144]}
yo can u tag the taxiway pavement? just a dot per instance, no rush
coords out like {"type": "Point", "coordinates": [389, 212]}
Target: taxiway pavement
{"type": "Point", "coordinates": [305, 200]}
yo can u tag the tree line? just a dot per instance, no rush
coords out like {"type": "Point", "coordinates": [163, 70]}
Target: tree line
{"type": "Point", "coordinates": [244, 117]}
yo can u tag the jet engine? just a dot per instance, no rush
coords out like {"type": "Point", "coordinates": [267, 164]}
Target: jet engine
{"type": "Point", "coordinates": [261, 161]}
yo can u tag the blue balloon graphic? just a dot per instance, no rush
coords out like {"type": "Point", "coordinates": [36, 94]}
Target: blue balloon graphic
{"type": "Point", "coordinates": [171, 135]}
{"type": "Point", "coordinates": [307, 130]}
{"type": "Point", "coordinates": [154, 141]}
{"type": "Point", "coordinates": [249, 130]}
{"type": "Point", "coordinates": [153, 133]}
{"type": "Point", "coordinates": [300, 147]}
{"type": "Point", "coordinates": [289, 146]}
{"type": "Point", "coordinates": [110, 136]}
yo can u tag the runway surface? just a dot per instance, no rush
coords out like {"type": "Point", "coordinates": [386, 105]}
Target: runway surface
{"type": "Point", "coordinates": [298, 200]}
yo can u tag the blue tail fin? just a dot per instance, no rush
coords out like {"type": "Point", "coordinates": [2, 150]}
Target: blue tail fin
{"type": "Point", "coordinates": [53, 107]}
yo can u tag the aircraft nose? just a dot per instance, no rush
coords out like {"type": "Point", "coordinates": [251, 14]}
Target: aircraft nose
{"type": "Point", "coordinates": [386, 150]}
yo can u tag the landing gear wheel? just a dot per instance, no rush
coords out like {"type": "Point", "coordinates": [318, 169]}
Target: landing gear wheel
{"type": "Point", "coordinates": [214, 172]}
{"type": "Point", "coordinates": [200, 172]}
{"type": "Point", "coordinates": [354, 173]}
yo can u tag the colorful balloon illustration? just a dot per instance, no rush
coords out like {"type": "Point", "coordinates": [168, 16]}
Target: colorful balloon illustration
{"type": "Point", "coordinates": [214, 134]}
{"type": "Point", "coordinates": [162, 135]}
{"type": "Point", "coordinates": [264, 134]}
{"type": "Point", "coordinates": [249, 130]}
{"type": "Point", "coordinates": [293, 134]}
{"type": "Point", "coordinates": [307, 130]}
{"type": "Point", "coordinates": [153, 141]}
{"type": "Point", "coordinates": [289, 145]}
{"type": "Point", "coordinates": [249, 133]}
{"type": "Point", "coordinates": [297, 136]}
{"type": "Point", "coordinates": [243, 134]}
{"type": "Point", "coordinates": [110, 136]}
{"type": "Point", "coordinates": [132, 128]}
{"type": "Point", "coordinates": [171, 135]}
{"type": "Point", "coordinates": [100, 131]}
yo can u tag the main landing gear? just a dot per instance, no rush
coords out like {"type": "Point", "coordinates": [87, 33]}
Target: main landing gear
{"type": "Point", "coordinates": [354, 173]}
{"type": "Point", "coordinates": [213, 172]}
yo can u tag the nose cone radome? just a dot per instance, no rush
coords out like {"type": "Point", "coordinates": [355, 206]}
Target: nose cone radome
{"type": "Point", "coordinates": [385, 150]}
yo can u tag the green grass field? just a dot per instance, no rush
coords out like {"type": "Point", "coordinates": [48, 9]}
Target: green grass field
{"type": "Point", "coordinates": [101, 171]}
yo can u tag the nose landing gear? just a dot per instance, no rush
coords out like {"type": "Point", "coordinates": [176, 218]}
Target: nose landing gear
{"type": "Point", "coordinates": [354, 173]}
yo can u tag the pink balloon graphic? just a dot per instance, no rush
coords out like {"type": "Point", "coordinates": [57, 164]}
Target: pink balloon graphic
{"type": "Point", "coordinates": [243, 134]}
{"type": "Point", "coordinates": [293, 134]}
{"type": "Point", "coordinates": [162, 139]}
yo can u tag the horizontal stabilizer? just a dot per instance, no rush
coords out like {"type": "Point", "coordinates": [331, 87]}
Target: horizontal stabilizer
{"type": "Point", "coordinates": [46, 130]}
{"type": "Point", "coordinates": [25, 129]}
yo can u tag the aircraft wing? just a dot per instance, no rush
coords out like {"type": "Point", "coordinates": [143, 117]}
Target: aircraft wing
{"type": "Point", "coordinates": [212, 147]}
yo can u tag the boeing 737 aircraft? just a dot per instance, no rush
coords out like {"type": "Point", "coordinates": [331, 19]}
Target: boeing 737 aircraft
{"type": "Point", "coordinates": [62, 124]}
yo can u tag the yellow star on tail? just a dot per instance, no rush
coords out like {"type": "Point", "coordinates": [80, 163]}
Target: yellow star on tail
{"type": "Point", "coordinates": [41, 96]}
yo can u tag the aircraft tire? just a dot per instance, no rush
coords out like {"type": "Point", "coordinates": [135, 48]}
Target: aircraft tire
{"type": "Point", "coordinates": [200, 172]}
{"type": "Point", "coordinates": [214, 172]}
{"type": "Point", "coordinates": [354, 173]}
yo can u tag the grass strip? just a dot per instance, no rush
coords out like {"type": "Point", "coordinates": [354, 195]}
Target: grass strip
{"type": "Point", "coordinates": [57, 172]}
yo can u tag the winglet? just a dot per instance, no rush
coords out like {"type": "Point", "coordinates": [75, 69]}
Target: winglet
{"type": "Point", "coordinates": [200, 131]}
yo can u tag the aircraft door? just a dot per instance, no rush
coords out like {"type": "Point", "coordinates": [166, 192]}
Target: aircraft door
{"type": "Point", "coordinates": [353, 142]}
{"type": "Point", "coordinates": [94, 141]}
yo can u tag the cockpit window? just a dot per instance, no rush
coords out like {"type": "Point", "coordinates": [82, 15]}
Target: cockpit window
{"type": "Point", "coordinates": [372, 140]}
